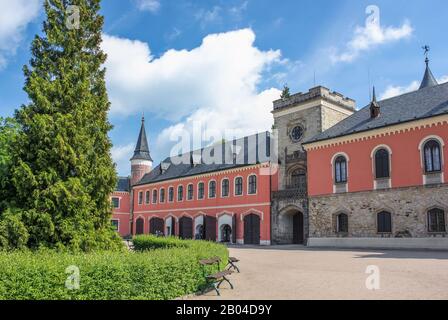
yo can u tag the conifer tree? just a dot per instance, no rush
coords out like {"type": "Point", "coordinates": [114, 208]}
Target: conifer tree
{"type": "Point", "coordinates": [62, 173]}
{"type": "Point", "coordinates": [285, 93]}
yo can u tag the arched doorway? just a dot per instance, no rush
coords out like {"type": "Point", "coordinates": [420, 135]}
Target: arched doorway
{"type": "Point", "coordinates": [156, 226]}
{"type": "Point", "coordinates": [186, 228]}
{"type": "Point", "coordinates": [297, 228]}
{"type": "Point", "coordinates": [139, 226]}
{"type": "Point", "coordinates": [291, 227]}
{"type": "Point", "coordinates": [170, 226]}
{"type": "Point", "coordinates": [224, 219]}
{"type": "Point", "coordinates": [199, 233]}
{"type": "Point", "coordinates": [226, 233]}
{"type": "Point", "coordinates": [252, 229]}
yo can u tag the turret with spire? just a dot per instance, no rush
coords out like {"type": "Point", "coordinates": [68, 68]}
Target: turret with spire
{"type": "Point", "coordinates": [141, 162]}
{"type": "Point", "coordinates": [375, 109]}
{"type": "Point", "coordinates": [428, 79]}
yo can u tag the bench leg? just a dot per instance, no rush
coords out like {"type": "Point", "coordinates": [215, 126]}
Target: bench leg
{"type": "Point", "coordinates": [228, 281]}
{"type": "Point", "coordinates": [216, 287]}
{"type": "Point", "coordinates": [220, 282]}
{"type": "Point", "coordinates": [232, 266]}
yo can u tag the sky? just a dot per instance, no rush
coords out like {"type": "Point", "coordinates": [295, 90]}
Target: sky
{"type": "Point", "coordinates": [219, 64]}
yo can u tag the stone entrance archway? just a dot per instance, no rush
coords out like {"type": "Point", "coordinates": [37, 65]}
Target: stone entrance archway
{"type": "Point", "coordinates": [290, 227]}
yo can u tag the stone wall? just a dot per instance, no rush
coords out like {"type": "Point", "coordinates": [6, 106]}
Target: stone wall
{"type": "Point", "coordinates": [408, 207]}
{"type": "Point", "coordinates": [331, 117]}
{"type": "Point", "coordinates": [284, 205]}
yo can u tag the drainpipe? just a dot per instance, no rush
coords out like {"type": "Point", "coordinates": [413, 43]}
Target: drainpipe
{"type": "Point", "coordinates": [131, 204]}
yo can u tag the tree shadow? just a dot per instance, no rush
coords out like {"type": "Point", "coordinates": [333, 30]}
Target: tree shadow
{"type": "Point", "coordinates": [357, 253]}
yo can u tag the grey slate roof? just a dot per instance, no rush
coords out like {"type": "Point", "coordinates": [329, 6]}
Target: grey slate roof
{"type": "Point", "coordinates": [142, 149]}
{"type": "Point", "coordinates": [424, 103]}
{"type": "Point", "coordinates": [253, 149]}
{"type": "Point", "coordinates": [123, 184]}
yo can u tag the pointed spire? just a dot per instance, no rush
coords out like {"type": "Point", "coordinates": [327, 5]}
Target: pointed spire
{"type": "Point", "coordinates": [428, 79]}
{"type": "Point", "coordinates": [374, 94]}
{"type": "Point", "coordinates": [141, 149]}
{"type": "Point", "coordinates": [375, 109]}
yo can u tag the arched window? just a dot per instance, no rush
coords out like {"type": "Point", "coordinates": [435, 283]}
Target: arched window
{"type": "Point", "coordinates": [147, 197]}
{"type": "Point", "coordinates": [190, 192]}
{"type": "Point", "coordinates": [225, 186]}
{"type": "Point", "coordinates": [154, 196]}
{"type": "Point", "coordinates": [252, 184]}
{"type": "Point", "coordinates": [212, 189]}
{"type": "Point", "coordinates": [436, 220]}
{"type": "Point", "coordinates": [384, 222]}
{"type": "Point", "coordinates": [140, 197]}
{"type": "Point", "coordinates": [342, 223]}
{"type": "Point", "coordinates": [180, 193]}
{"type": "Point", "coordinates": [238, 186]}
{"type": "Point", "coordinates": [162, 195]}
{"type": "Point", "coordinates": [433, 162]}
{"type": "Point", "coordinates": [340, 170]}
{"type": "Point", "coordinates": [171, 194]}
{"type": "Point", "coordinates": [382, 169]}
{"type": "Point", "coordinates": [298, 179]}
{"type": "Point", "coordinates": [201, 190]}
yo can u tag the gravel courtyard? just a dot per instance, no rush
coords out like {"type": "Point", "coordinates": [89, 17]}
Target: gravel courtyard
{"type": "Point", "coordinates": [293, 272]}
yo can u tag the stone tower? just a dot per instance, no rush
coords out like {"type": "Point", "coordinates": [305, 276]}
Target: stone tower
{"type": "Point", "coordinates": [141, 162]}
{"type": "Point", "coordinates": [296, 118]}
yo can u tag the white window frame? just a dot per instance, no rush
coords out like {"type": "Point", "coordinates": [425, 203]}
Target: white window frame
{"type": "Point", "coordinates": [216, 189]}
{"type": "Point", "coordinates": [372, 157]}
{"type": "Point", "coordinates": [119, 202]}
{"type": "Point", "coordinates": [421, 148]}
{"type": "Point", "coordinates": [248, 184]}
{"type": "Point", "coordinates": [333, 169]}
{"type": "Point", "coordinates": [197, 196]}
{"type": "Point", "coordinates": [242, 187]}
{"type": "Point", "coordinates": [222, 189]}
{"type": "Point", "coordinates": [160, 194]}
{"type": "Point", "coordinates": [183, 193]}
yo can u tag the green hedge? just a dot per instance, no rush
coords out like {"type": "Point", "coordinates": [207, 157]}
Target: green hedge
{"type": "Point", "coordinates": [155, 275]}
{"type": "Point", "coordinates": [150, 242]}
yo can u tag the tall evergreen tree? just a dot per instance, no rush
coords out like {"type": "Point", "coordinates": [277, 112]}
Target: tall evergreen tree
{"type": "Point", "coordinates": [62, 174]}
{"type": "Point", "coordinates": [285, 93]}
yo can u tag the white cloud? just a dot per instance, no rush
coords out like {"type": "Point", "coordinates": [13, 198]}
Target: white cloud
{"type": "Point", "coordinates": [370, 36]}
{"type": "Point", "coordinates": [121, 155]}
{"type": "Point", "coordinates": [443, 79]}
{"type": "Point", "coordinates": [206, 17]}
{"type": "Point", "coordinates": [215, 83]}
{"type": "Point", "coordinates": [237, 11]}
{"type": "Point", "coordinates": [393, 91]}
{"type": "Point", "coordinates": [148, 5]}
{"type": "Point", "coordinates": [14, 17]}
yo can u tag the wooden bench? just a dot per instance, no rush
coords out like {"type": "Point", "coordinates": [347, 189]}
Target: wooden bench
{"type": "Point", "coordinates": [232, 264]}
{"type": "Point", "coordinates": [216, 279]}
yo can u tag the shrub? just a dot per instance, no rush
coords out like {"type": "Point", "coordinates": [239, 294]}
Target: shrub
{"type": "Point", "coordinates": [150, 242]}
{"type": "Point", "coordinates": [154, 275]}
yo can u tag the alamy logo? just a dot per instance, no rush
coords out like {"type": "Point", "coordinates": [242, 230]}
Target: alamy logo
{"type": "Point", "coordinates": [373, 280]}
{"type": "Point", "coordinates": [72, 21]}
{"type": "Point", "coordinates": [74, 278]}
{"type": "Point", "coordinates": [224, 148]}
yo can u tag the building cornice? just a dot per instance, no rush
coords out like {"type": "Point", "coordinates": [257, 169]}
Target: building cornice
{"type": "Point", "coordinates": [379, 132]}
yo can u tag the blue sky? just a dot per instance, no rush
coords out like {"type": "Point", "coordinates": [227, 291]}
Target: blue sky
{"type": "Point", "coordinates": [222, 62]}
